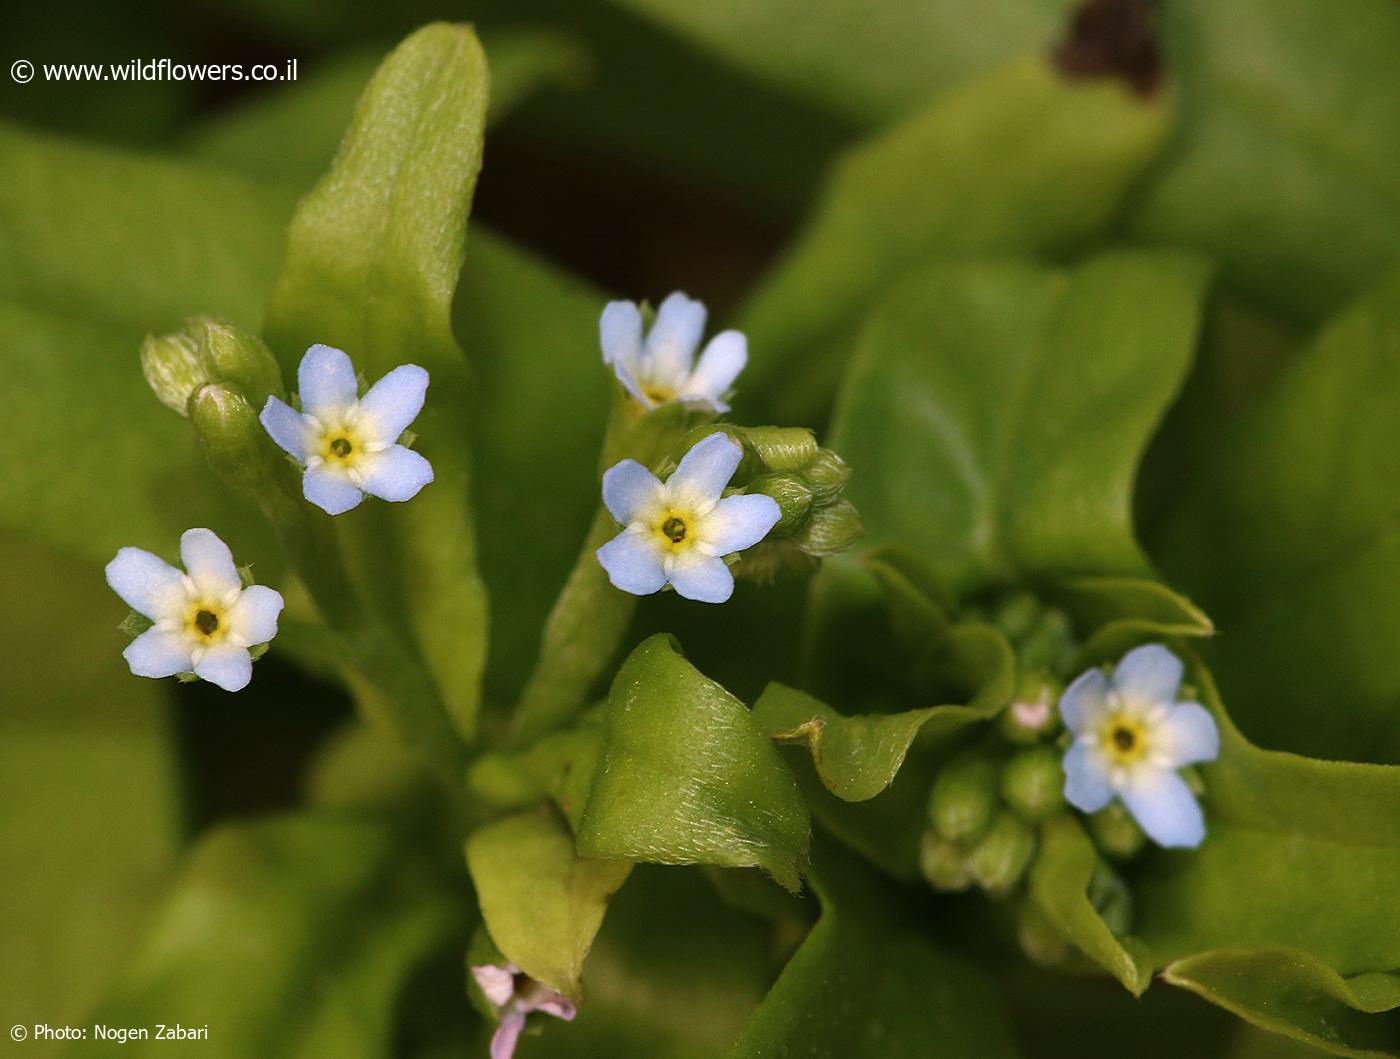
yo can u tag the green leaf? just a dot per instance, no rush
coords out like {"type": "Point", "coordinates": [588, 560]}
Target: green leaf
{"type": "Point", "coordinates": [995, 413]}
{"type": "Point", "coordinates": [371, 266]}
{"type": "Point", "coordinates": [1296, 995]}
{"type": "Point", "coordinates": [1118, 613]}
{"type": "Point", "coordinates": [865, 984]}
{"type": "Point", "coordinates": [1302, 568]}
{"type": "Point", "coordinates": [542, 903]}
{"type": "Point", "coordinates": [294, 935]}
{"type": "Point", "coordinates": [687, 777]}
{"type": "Point", "coordinates": [1022, 160]}
{"type": "Point", "coordinates": [137, 242]}
{"type": "Point", "coordinates": [867, 61]}
{"type": "Point", "coordinates": [1310, 95]}
{"type": "Point", "coordinates": [89, 798]}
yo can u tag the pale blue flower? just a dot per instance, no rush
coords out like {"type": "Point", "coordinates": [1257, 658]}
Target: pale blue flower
{"type": "Point", "coordinates": [348, 444]}
{"type": "Point", "coordinates": [204, 619]}
{"type": "Point", "coordinates": [514, 995]}
{"type": "Point", "coordinates": [662, 367]}
{"type": "Point", "coordinates": [1131, 735]}
{"type": "Point", "coordinates": [676, 531]}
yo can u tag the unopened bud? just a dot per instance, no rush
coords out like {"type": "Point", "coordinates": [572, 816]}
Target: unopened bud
{"type": "Point", "coordinates": [1017, 616]}
{"type": "Point", "coordinates": [1034, 709]}
{"type": "Point", "coordinates": [1003, 855]}
{"type": "Point", "coordinates": [230, 436]}
{"type": "Point", "coordinates": [208, 351]}
{"type": "Point", "coordinates": [964, 799]}
{"type": "Point", "coordinates": [174, 369]}
{"type": "Point", "coordinates": [792, 494]}
{"type": "Point", "coordinates": [1050, 644]}
{"type": "Point", "coordinates": [1033, 783]}
{"type": "Point", "coordinates": [944, 864]}
{"type": "Point", "coordinates": [1116, 833]}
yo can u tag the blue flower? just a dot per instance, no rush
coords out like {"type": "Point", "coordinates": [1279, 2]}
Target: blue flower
{"type": "Point", "coordinates": [204, 619]}
{"type": "Point", "coordinates": [676, 532]}
{"type": "Point", "coordinates": [1131, 735]}
{"type": "Point", "coordinates": [662, 368]}
{"type": "Point", "coordinates": [348, 444]}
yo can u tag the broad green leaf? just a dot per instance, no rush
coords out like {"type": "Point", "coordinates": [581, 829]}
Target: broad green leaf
{"type": "Point", "coordinates": [542, 903]}
{"type": "Point", "coordinates": [866, 60]}
{"type": "Point", "coordinates": [290, 136]}
{"type": "Point", "coordinates": [856, 757]}
{"type": "Point", "coordinates": [1308, 94]}
{"type": "Point", "coordinates": [687, 777]}
{"type": "Point", "coordinates": [89, 805]}
{"type": "Point", "coordinates": [1293, 994]}
{"type": "Point", "coordinates": [995, 412]}
{"type": "Point", "coordinates": [104, 464]}
{"type": "Point", "coordinates": [138, 242]}
{"type": "Point", "coordinates": [371, 266]}
{"type": "Point", "coordinates": [1021, 160]}
{"type": "Point", "coordinates": [1118, 613]}
{"type": "Point", "coordinates": [865, 984]}
{"type": "Point", "coordinates": [1289, 539]}
{"type": "Point", "coordinates": [291, 936]}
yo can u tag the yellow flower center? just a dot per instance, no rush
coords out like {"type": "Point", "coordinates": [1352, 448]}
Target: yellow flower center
{"type": "Point", "coordinates": [676, 530]}
{"type": "Point", "coordinates": [206, 622]}
{"type": "Point", "coordinates": [1125, 739]}
{"type": "Point", "coordinates": [658, 394]}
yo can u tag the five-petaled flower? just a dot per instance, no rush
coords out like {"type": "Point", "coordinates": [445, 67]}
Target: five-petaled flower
{"type": "Point", "coordinates": [348, 444]}
{"type": "Point", "coordinates": [677, 531]}
{"type": "Point", "coordinates": [1131, 735]}
{"type": "Point", "coordinates": [205, 620]}
{"type": "Point", "coordinates": [514, 995]}
{"type": "Point", "coordinates": [663, 368]}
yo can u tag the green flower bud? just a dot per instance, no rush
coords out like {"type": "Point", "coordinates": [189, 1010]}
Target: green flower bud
{"type": "Point", "coordinates": [1018, 615]}
{"type": "Point", "coordinates": [1033, 784]}
{"type": "Point", "coordinates": [793, 495]}
{"type": "Point", "coordinates": [1051, 644]}
{"type": "Point", "coordinates": [1116, 833]}
{"type": "Point", "coordinates": [1034, 709]}
{"type": "Point", "coordinates": [1040, 939]}
{"type": "Point", "coordinates": [231, 438]}
{"type": "Point", "coordinates": [944, 864]}
{"type": "Point", "coordinates": [964, 799]}
{"type": "Point", "coordinates": [1111, 898]}
{"type": "Point", "coordinates": [826, 475]}
{"type": "Point", "coordinates": [208, 351]}
{"type": "Point", "coordinates": [1003, 855]}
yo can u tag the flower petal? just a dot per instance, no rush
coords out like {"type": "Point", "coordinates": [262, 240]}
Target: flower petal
{"type": "Point", "coordinates": [157, 653]}
{"type": "Point", "coordinates": [507, 1033]}
{"type": "Point", "coordinates": [254, 617]}
{"type": "Point", "coordinates": [738, 522]}
{"type": "Point", "coordinates": [147, 583]}
{"type": "Point", "coordinates": [395, 474]}
{"type": "Point", "coordinates": [285, 425]}
{"type": "Point", "coordinates": [226, 666]}
{"type": "Point", "coordinates": [630, 384]}
{"type": "Point", "coordinates": [720, 364]}
{"type": "Point", "coordinates": [497, 983]}
{"type": "Point", "coordinates": [393, 403]}
{"type": "Point", "coordinates": [674, 337]}
{"type": "Point", "coordinates": [1086, 780]}
{"type": "Point", "coordinates": [629, 490]}
{"type": "Point", "coordinates": [1191, 734]}
{"type": "Point", "coordinates": [620, 333]}
{"type": "Point", "coordinates": [209, 562]}
{"type": "Point", "coordinates": [706, 469]}
{"type": "Point", "coordinates": [1084, 700]}
{"type": "Point", "coordinates": [556, 1004]}
{"type": "Point", "coordinates": [1165, 808]}
{"type": "Point", "coordinates": [701, 577]}
{"type": "Point", "coordinates": [633, 562]}
{"type": "Point", "coordinates": [332, 493]}
{"type": "Point", "coordinates": [326, 380]}
{"type": "Point", "coordinates": [1148, 674]}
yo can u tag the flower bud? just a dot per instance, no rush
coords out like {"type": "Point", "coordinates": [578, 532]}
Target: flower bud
{"type": "Point", "coordinates": [944, 864]}
{"type": "Point", "coordinates": [964, 799]}
{"type": "Point", "coordinates": [230, 436]}
{"type": "Point", "coordinates": [1116, 833]}
{"type": "Point", "coordinates": [1033, 784]}
{"type": "Point", "coordinates": [1003, 855]}
{"type": "Point", "coordinates": [1033, 712]}
{"type": "Point", "coordinates": [1018, 615]}
{"type": "Point", "coordinates": [793, 495]}
{"type": "Point", "coordinates": [1050, 644]}
{"type": "Point", "coordinates": [208, 351]}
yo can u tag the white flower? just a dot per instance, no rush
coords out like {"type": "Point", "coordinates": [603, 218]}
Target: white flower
{"type": "Point", "coordinates": [348, 444]}
{"type": "Point", "coordinates": [514, 995]}
{"type": "Point", "coordinates": [663, 367]}
{"type": "Point", "coordinates": [677, 531]}
{"type": "Point", "coordinates": [205, 620]}
{"type": "Point", "coordinates": [1130, 737]}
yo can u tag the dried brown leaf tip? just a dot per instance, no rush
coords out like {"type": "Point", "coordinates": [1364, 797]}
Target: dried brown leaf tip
{"type": "Point", "coordinates": [1113, 38]}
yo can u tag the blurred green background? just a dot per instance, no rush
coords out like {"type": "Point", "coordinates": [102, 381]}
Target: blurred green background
{"type": "Point", "coordinates": [640, 146]}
